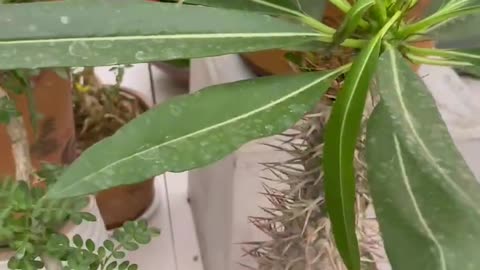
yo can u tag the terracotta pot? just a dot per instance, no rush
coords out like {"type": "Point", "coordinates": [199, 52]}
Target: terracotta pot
{"type": "Point", "coordinates": [124, 203]}
{"type": "Point", "coordinates": [129, 202]}
{"type": "Point", "coordinates": [55, 141]}
{"type": "Point", "coordinates": [272, 62]}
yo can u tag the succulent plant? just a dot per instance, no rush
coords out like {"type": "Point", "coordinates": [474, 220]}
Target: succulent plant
{"type": "Point", "coordinates": [297, 222]}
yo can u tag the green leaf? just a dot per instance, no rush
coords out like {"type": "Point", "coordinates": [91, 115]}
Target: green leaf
{"type": "Point", "coordinates": [459, 3]}
{"type": "Point", "coordinates": [88, 217]}
{"type": "Point", "coordinates": [193, 131]}
{"type": "Point", "coordinates": [112, 266]}
{"type": "Point", "coordinates": [78, 241]}
{"type": "Point", "coordinates": [90, 245]}
{"type": "Point", "coordinates": [19, 82]}
{"type": "Point", "coordinates": [352, 20]}
{"type": "Point", "coordinates": [133, 267]}
{"type": "Point", "coordinates": [142, 238]}
{"type": "Point", "coordinates": [424, 193]}
{"type": "Point", "coordinates": [130, 246]}
{"type": "Point", "coordinates": [313, 8]}
{"type": "Point", "coordinates": [460, 33]}
{"type": "Point", "coordinates": [473, 71]}
{"type": "Point", "coordinates": [101, 252]}
{"type": "Point", "coordinates": [92, 33]}
{"type": "Point", "coordinates": [340, 140]}
{"type": "Point", "coordinates": [32, 109]}
{"type": "Point", "coordinates": [108, 244]}
{"type": "Point", "coordinates": [15, 81]}
{"type": "Point", "coordinates": [341, 135]}
{"type": "Point", "coordinates": [118, 254]}
{"type": "Point", "coordinates": [474, 58]}
{"type": "Point", "coordinates": [8, 110]}
{"type": "Point", "coordinates": [123, 265]}
{"type": "Point", "coordinates": [179, 63]}
{"type": "Point", "coordinates": [433, 7]}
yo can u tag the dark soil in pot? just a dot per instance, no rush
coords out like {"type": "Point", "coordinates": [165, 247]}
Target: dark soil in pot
{"type": "Point", "coordinates": [99, 112]}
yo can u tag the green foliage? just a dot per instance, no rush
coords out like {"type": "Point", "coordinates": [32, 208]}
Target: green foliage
{"type": "Point", "coordinates": [7, 110]}
{"type": "Point", "coordinates": [253, 110]}
{"type": "Point", "coordinates": [194, 131]}
{"type": "Point", "coordinates": [28, 220]}
{"type": "Point", "coordinates": [143, 31]}
{"type": "Point", "coordinates": [18, 82]}
{"type": "Point", "coordinates": [83, 254]}
{"type": "Point", "coordinates": [433, 191]}
{"type": "Point", "coordinates": [29, 225]}
{"type": "Point", "coordinates": [179, 63]}
{"type": "Point", "coordinates": [354, 19]}
{"type": "Point", "coordinates": [311, 7]}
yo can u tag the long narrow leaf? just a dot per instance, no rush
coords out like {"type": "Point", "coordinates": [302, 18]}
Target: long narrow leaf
{"type": "Point", "coordinates": [314, 8]}
{"type": "Point", "coordinates": [460, 33]}
{"type": "Point", "coordinates": [89, 33]}
{"type": "Point", "coordinates": [474, 58]}
{"type": "Point", "coordinates": [425, 196]}
{"type": "Point", "coordinates": [193, 131]}
{"type": "Point", "coordinates": [341, 137]}
{"type": "Point", "coordinates": [340, 140]}
{"type": "Point", "coordinates": [246, 5]}
{"type": "Point", "coordinates": [352, 20]}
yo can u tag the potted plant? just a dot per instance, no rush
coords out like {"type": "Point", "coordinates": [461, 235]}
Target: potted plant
{"type": "Point", "coordinates": [100, 110]}
{"type": "Point", "coordinates": [275, 62]}
{"type": "Point", "coordinates": [424, 194]}
{"type": "Point", "coordinates": [39, 233]}
{"type": "Point", "coordinates": [50, 120]}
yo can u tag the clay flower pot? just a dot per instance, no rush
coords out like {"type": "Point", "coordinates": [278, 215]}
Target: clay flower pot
{"type": "Point", "coordinates": [55, 141]}
{"type": "Point", "coordinates": [124, 203]}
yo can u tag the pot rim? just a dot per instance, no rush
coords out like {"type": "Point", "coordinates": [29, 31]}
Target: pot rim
{"type": "Point", "coordinates": [7, 253]}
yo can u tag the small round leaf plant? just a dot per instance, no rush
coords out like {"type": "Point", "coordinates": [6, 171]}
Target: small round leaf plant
{"type": "Point", "coordinates": [31, 225]}
{"type": "Point", "coordinates": [425, 196]}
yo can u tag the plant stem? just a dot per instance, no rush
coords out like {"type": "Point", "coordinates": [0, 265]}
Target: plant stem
{"type": "Point", "coordinates": [435, 21]}
{"type": "Point", "coordinates": [436, 62]}
{"type": "Point", "coordinates": [381, 11]}
{"type": "Point", "coordinates": [342, 5]}
{"type": "Point", "coordinates": [105, 262]}
{"type": "Point", "coordinates": [349, 43]}
{"type": "Point", "coordinates": [20, 148]}
{"type": "Point", "coordinates": [50, 263]}
{"type": "Point", "coordinates": [304, 18]}
{"type": "Point", "coordinates": [441, 53]}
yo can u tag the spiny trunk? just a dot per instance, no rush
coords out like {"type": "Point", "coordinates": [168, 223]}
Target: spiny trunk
{"type": "Point", "coordinates": [298, 225]}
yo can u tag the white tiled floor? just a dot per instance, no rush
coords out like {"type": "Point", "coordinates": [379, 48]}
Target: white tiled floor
{"type": "Point", "coordinates": [177, 246]}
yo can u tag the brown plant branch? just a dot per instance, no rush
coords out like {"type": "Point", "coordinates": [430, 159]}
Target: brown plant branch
{"type": "Point", "coordinates": [23, 165]}
{"type": "Point", "coordinates": [20, 148]}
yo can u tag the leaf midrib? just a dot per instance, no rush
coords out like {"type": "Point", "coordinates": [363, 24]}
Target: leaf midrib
{"type": "Point", "coordinates": [237, 118]}
{"type": "Point", "coordinates": [407, 116]}
{"type": "Point", "coordinates": [457, 4]}
{"type": "Point", "coordinates": [416, 206]}
{"type": "Point", "coordinates": [342, 129]}
{"type": "Point", "coordinates": [173, 36]}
